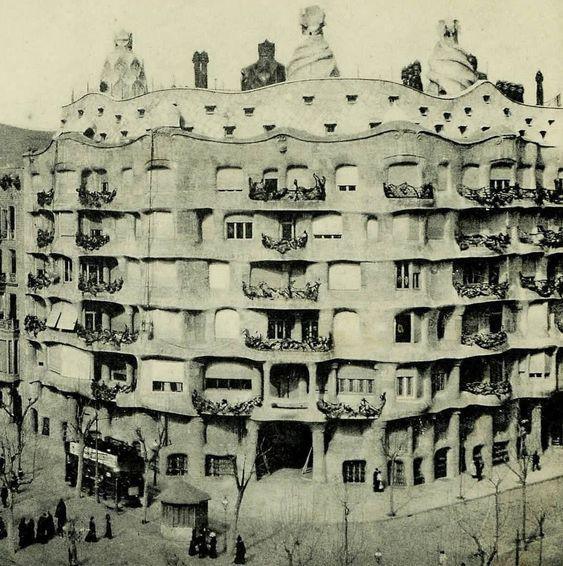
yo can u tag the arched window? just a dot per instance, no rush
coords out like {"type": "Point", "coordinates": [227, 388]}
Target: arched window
{"type": "Point", "coordinates": [229, 179]}
{"type": "Point", "coordinates": [347, 178]}
{"type": "Point", "coordinates": [346, 326]}
{"type": "Point", "coordinates": [219, 275]}
{"type": "Point", "coordinates": [441, 463]}
{"type": "Point", "coordinates": [328, 226]}
{"type": "Point", "coordinates": [345, 276]}
{"type": "Point", "coordinates": [396, 472]}
{"type": "Point", "coordinates": [227, 324]}
{"type": "Point", "coordinates": [177, 465]}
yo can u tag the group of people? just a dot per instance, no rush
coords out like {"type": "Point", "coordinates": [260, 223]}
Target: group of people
{"type": "Point", "coordinates": [203, 543]}
{"type": "Point", "coordinates": [45, 527]}
{"type": "Point", "coordinates": [91, 535]}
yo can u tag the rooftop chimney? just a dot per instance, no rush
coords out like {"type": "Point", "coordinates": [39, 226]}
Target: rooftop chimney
{"type": "Point", "coordinates": [200, 61]}
{"type": "Point", "coordinates": [539, 88]}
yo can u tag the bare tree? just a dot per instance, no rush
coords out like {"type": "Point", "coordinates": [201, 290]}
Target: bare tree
{"type": "Point", "coordinates": [81, 427]}
{"type": "Point", "coordinates": [17, 411]}
{"type": "Point", "coordinates": [351, 547]}
{"type": "Point", "coordinates": [18, 470]}
{"type": "Point", "coordinates": [394, 446]}
{"type": "Point", "coordinates": [149, 454]}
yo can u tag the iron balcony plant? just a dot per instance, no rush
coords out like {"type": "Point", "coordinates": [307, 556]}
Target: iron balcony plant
{"type": "Point", "coordinates": [45, 198]}
{"type": "Point", "coordinates": [486, 340]}
{"type": "Point", "coordinates": [499, 388]}
{"type": "Point", "coordinates": [94, 286]}
{"type": "Point", "coordinates": [263, 291]}
{"type": "Point", "coordinates": [494, 242]}
{"type": "Point", "coordinates": [45, 237]}
{"type": "Point", "coordinates": [282, 245]}
{"type": "Point", "coordinates": [91, 242]}
{"type": "Point", "coordinates": [473, 290]}
{"type": "Point", "coordinates": [262, 190]}
{"type": "Point", "coordinates": [318, 344]}
{"type": "Point", "coordinates": [404, 190]}
{"type": "Point", "coordinates": [34, 325]}
{"type": "Point", "coordinates": [95, 199]}
{"type": "Point", "coordinates": [543, 287]}
{"type": "Point", "coordinates": [39, 281]}
{"type": "Point", "coordinates": [10, 181]}
{"type": "Point", "coordinates": [106, 336]}
{"type": "Point", "coordinates": [343, 410]}
{"type": "Point", "coordinates": [205, 406]}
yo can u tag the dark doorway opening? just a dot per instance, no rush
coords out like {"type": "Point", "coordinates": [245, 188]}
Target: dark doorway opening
{"type": "Point", "coordinates": [283, 445]}
{"type": "Point", "coordinates": [441, 463]}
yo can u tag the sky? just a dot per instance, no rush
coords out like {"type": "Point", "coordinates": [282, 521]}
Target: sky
{"type": "Point", "coordinates": [51, 48]}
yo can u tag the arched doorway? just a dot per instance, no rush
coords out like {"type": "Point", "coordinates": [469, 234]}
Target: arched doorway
{"type": "Point", "coordinates": [441, 463]}
{"type": "Point", "coordinates": [283, 445]}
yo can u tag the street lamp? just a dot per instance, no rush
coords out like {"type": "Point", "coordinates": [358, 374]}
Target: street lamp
{"type": "Point", "coordinates": [225, 504]}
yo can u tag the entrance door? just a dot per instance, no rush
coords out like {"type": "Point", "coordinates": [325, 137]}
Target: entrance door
{"type": "Point", "coordinates": [441, 463]}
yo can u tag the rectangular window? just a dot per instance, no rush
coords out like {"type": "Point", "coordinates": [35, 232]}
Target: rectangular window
{"type": "Point", "coordinates": [403, 327]}
{"type": "Point", "coordinates": [360, 385]}
{"type": "Point", "coordinates": [407, 275]}
{"type": "Point", "coordinates": [13, 261]}
{"type": "Point", "coordinates": [219, 465]}
{"type": "Point", "coordinates": [439, 379]}
{"type": "Point", "coordinates": [228, 383]}
{"type": "Point", "coordinates": [310, 327]}
{"type": "Point", "coordinates": [171, 386]}
{"type": "Point", "coordinates": [67, 269]}
{"type": "Point", "coordinates": [239, 230]}
{"type": "Point", "coordinates": [474, 273]}
{"type": "Point", "coordinates": [354, 471]}
{"type": "Point", "coordinates": [287, 229]}
{"type": "Point", "coordinates": [280, 327]}
{"type": "Point", "coordinates": [46, 426]}
{"type": "Point", "coordinates": [118, 375]}
{"type": "Point", "coordinates": [499, 184]}
{"type": "Point", "coordinates": [158, 385]}
{"type": "Point", "coordinates": [92, 271]}
{"type": "Point", "coordinates": [406, 385]}
{"type": "Point", "coordinates": [93, 320]}
{"type": "Point", "coordinates": [11, 222]}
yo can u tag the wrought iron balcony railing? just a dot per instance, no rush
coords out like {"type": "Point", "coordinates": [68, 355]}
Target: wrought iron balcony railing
{"type": "Point", "coordinates": [45, 198]}
{"type": "Point", "coordinates": [543, 287]}
{"type": "Point", "coordinates": [106, 336]}
{"type": "Point", "coordinates": [94, 286]}
{"type": "Point", "coordinates": [543, 237]}
{"type": "Point", "coordinates": [262, 190]}
{"type": "Point", "coordinates": [91, 242]}
{"type": "Point", "coordinates": [9, 324]}
{"type": "Point", "coordinates": [2, 282]}
{"type": "Point", "coordinates": [45, 237]}
{"type": "Point", "coordinates": [342, 410]}
{"type": "Point", "coordinates": [404, 190]}
{"type": "Point", "coordinates": [282, 245]}
{"type": "Point", "coordinates": [494, 242]}
{"type": "Point", "coordinates": [473, 290]}
{"type": "Point", "coordinates": [34, 325]}
{"type": "Point", "coordinates": [486, 340]}
{"type": "Point", "coordinates": [496, 197]}
{"type": "Point", "coordinates": [39, 281]}
{"type": "Point", "coordinates": [10, 181]}
{"type": "Point", "coordinates": [95, 199]}
{"type": "Point", "coordinates": [205, 406]}
{"type": "Point", "coordinates": [499, 388]}
{"type": "Point", "coordinates": [319, 344]}
{"type": "Point", "coordinates": [263, 291]}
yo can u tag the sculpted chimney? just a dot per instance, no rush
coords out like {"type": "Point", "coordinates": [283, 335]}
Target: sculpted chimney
{"type": "Point", "coordinates": [539, 88]}
{"type": "Point", "coordinates": [200, 61]}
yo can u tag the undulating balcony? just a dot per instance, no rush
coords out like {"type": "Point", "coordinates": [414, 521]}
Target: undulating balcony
{"type": "Point", "coordinates": [207, 407]}
{"type": "Point", "coordinates": [45, 198]}
{"type": "Point", "coordinates": [95, 286]}
{"type": "Point", "coordinates": [486, 340]}
{"type": "Point", "coordinates": [405, 190]}
{"type": "Point", "coordinates": [95, 198]}
{"type": "Point", "coordinates": [308, 344]}
{"type": "Point", "coordinates": [108, 336]}
{"type": "Point", "coordinates": [340, 410]}
{"type": "Point", "coordinates": [497, 243]}
{"type": "Point", "coordinates": [10, 181]}
{"type": "Point", "coordinates": [284, 245]}
{"type": "Point", "coordinates": [543, 287]}
{"type": "Point", "coordinates": [484, 289]}
{"type": "Point", "coordinates": [547, 239]}
{"type": "Point", "coordinates": [500, 389]}
{"type": "Point", "coordinates": [33, 325]}
{"type": "Point", "coordinates": [497, 196]}
{"type": "Point", "coordinates": [267, 190]}
{"type": "Point", "coordinates": [310, 292]}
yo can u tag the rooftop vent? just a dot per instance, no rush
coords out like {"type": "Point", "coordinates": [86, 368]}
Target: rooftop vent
{"type": "Point", "coordinates": [210, 109]}
{"type": "Point", "coordinates": [63, 122]}
{"type": "Point", "coordinates": [424, 110]}
{"type": "Point", "coordinates": [393, 99]}
{"type": "Point", "coordinates": [550, 122]}
{"type": "Point", "coordinates": [103, 136]}
{"type": "Point", "coordinates": [543, 133]}
{"type": "Point", "coordinates": [248, 111]}
{"type": "Point", "coordinates": [330, 128]}
{"type": "Point", "coordinates": [118, 118]}
{"type": "Point", "coordinates": [528, 121]}
{"type": "Point", "coordinates": [447, 116]}
{"type": "Point", "coordinates": [485, 128]}
{"type": "Point", "coordinates": [229, 130]}
{"type": "Point", "coordinates": [462, 129]}
{"type": "Point", "coordinates": [100, 111]}
{"type": "Point", "coordinates": [486, 98]}
{"type": "Point", "coordinates": [308, 99]}
{"type": "Point", "coordinates": [351, 98]}
{"type": "Point", "coordinates": [124, 133]}
{"type": "Point", "coordinates": [80, 113]}
{"type": "Point", "coordinates": [521, 133]}
{"type": "Point", "coordinates": [373, 125]}
{"type": "Point", "coordinates": [269, 127]}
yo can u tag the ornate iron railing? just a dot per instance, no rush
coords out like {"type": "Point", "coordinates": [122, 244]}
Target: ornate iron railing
{"type": "Point", "coordinates": [95, 199]}
{"type": "Point", "coordinates": [543, 287]}
{"type": "Point", "coordinates": [261, 190]}
{"type": "Point", "coordinates": [92, 286]}
{"type": "Point", "coordinates": [205, 406]}
{"type": "Point", "coordinates": [263, 291]}
{"type": "Point", "coordinates": [107, 336]}
{"type": "Point", "coordinates": [34, 325]}
{"type": "Point", "coordinates": [45, 237]}
{"type": "Point", "coordinates": [257, 342]}
{"type": "Point", "coordinates": [494, 242]}
{"type": "Point", "coordinates": [282, 245]}
{"type": "Point", "coordinates": [495, 198]}
{"type": "Point", "coordinates": [39, 281]}
{"type": "Point", "coordinates": [343, 410]}
{"type": "Point", "coordinates": [498, 388]}
{"type": "Point", "coordinates": [404, 190]}
{"type": "Point", "coordinates": [486, 340]}
{"type": "Point", "coordinates": [472, 290]}
{"type": "Point", "coordinates": [91, 242]}
{"type": "Point", "coordinates": [45, 198]}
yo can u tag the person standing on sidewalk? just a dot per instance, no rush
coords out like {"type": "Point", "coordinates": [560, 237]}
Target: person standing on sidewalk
{"type": "Point", "coordinates": [536, 462]}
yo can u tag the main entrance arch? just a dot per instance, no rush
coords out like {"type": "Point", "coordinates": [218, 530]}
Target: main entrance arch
{"type": "Point", "coordinates": [283, 445]}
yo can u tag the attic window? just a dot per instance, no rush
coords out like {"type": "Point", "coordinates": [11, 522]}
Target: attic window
{"type": "Point", "coordinates": [438, 128]}
{"type": "Point", "coordinates": [330, 128]}
{"type": "Point", "coordinates": [393, 99]}
{"type": "Point", "coordinates": [550, 122]}
{"type": "Point", "coordinates": [485, 128]}
{"type": "Point", "coordinates": [308, 99]}
{"type": "Point", "coordinates": [468, 110]}
{"type": "Point", "coordinates": [269, 127]}
{"type": "Point", "coordinates": [528, 121]}
{"type": "Point", "coordinates": [462, 129]}
{"type": "Point", "coordinates": [103, 136]}
{"type": "Point", "coordinates": [249, 111]}
{"type": "Point", "coordinates": [506, 111]}
{"type": "Point", "coordinates": [521, 133]}
{"type": "Point", "coordinates": [424, 110]}
{"type": "Point", "coordinates": [80, 113]}
{"type": "Point", "coordinates": [63, 122]}
{"type": "Point", "coordinates": [118, 118]}
{"type": "Point", "coordinates": [351, 98]}
{"type": "Point", "coordinates": [210, 109]}
{"type": "Point", "coordinates": [447, 116]}
{"type": "Point", "coordinates": [141, 112]}
{"type": "Point", "coordinates": [124, 133]}
{"type": "Point", "coordinates": [373, 125]}
{"type": "Point", "coordinates": [543, 133]}
{"type": "Point", "coordinates": [100, 111]}
{"type": "Point", "coordinates": [487, 98]}
{"type": "Point", "coordinates": [229, 130]}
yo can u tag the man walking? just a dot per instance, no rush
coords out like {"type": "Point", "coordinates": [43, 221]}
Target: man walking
{"type": "Point", "coordinates": [60, 514]}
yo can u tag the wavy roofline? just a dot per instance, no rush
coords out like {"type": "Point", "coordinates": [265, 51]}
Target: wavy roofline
{"type": "Point", "coordinates": [475, 86]}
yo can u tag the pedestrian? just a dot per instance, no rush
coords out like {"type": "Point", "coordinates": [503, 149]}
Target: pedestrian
{"type": "Point", "coordinates": [108, 533]}
{"type": "Point", "coordinates": [202, 546]}
{"type": "Point", "coordinates": [536, 461]}
{"type": "Point", "coordinates": [42, 529]}
{"type": "Point", "coordinates": [22, 533]}
{"type": "Point", "coordinates": [378, 485]}
{"type": "Point", "coordinates": [442, 557]}
{"type": "Point", "coordinates": [30, 537]}
{"type": "Point", "coordinates": [91, 534]}
{"type": "Point", "coordinates": [479, 466]}
{"type": "Point", "coordinates": [193, 548]}
{"type": "Point", "coordinates": [72, 536]}
{"type": "Point", "coordinates": [378, 556]}
{"type": "Point", "coordinates": [212, 545]}
{"type": "Point", "coordinates": [240, 551]}
{"type": "Point", "coordinates": [60, 514]}
{"type": "Point", "coordinates": [3, 531]}
{"type": "Point", "coordinates": [4, 495]}
{"type": "Point", "coordinates": [49, 526]}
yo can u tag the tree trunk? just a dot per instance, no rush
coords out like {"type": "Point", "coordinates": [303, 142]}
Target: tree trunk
{"type": "Point", "coordinates": [524, 513]}
{"type": "Point", "coordinates": [145, 501]}
{"type": "Point", "coordinates": [238, 505]}
{"type": "Point", "coordinates": [19, 433]}
{"type": "Point", "coordinates": [11, 526]}
{"type": "Point", "coordinates": [391, 500]}
{"type": "Point", "coordinates": [80, 467]}
{"type": "Point", "coordinates": [346, 551]}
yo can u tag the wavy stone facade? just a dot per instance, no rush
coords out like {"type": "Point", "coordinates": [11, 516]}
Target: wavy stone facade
{"type": "Point", "coordinates": [336, 293]}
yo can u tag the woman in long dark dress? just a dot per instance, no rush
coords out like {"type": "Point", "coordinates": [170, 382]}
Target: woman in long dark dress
{"type": "Point", "coordinates": [240, 552]}
{"type": "Point", "coordinates": [108, 533]}
{"type": "Point", "coordinates": [193, 549]}
{"type": "Point", "coordinates": [91, 535]}
{"type": "Point", "coordinates": [212, 545]}
{"type": "Point", "coordinates": [22, 533]}
{"type": "Point", "coordinates": [30, 538]}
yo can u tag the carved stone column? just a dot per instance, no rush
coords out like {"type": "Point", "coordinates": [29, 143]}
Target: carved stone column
{"type": "Point", "coordinates": [331, 388]}
{"type": "Point", "coordinates": [196, 432]}
{"type": "Point", "coordinates": [319, 467]}
{"type": "Point", "coordinates": [454, 443]}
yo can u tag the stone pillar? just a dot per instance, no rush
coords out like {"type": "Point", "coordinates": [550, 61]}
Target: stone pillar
{"type": "Point", "coordinates": [428, 452]}
{"type": "Point", "coordinates": [535, 435]}
{"type": "Point", "coordinates": [313, 395]}
{"type": "Point", "coordinates": [266, 369]}
{"type": "Point", "coordinates": [453, 328]}
{"type": "Point", "coordinates": [105, 320]}
{"type": "Point", "coordinates": [297, 333]}
{"type": "Point", "coordinates": [251, 442]}
{"type": "Point", "coordinates": [453, 441]}
{"type": "Point", "coordinates": [378, 438]}
{"type": "Point", "coordinates": [408, 457]}
{"type": "Point", "coordinates": [488, 439]}
{"type": "Point", "coordinates": [319, 468]}
{"type": "Point", "coordinates": [331, 388]}
{"type": "Point", "coordinates": [427, 387]}
{"type": "Point", "coordinates": [453, 381]}
{"type": "Point", "coordinates": [197, 444]}
{"type": "Point", "coordinates": [129, 373]}
{"type": "Point", "coordinates": [105, 273]}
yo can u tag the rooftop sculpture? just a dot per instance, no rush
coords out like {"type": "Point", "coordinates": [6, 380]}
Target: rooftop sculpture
{"type": "Point", "coordinates": [265, 71]}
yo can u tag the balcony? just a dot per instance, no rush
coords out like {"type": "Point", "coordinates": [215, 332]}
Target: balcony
{"type": "Point", "coordinates": [283, 245]}
{"type": "Point", "coordinates": [543, 237]}
{"type": "Point", "coordinates": [496, 197]}
{"type": "Point", "coordinates": [95, 199]}
{"type": "Point", "coordinates": [543, 287]}
{"type": "Point", "coordinates": [114, 338]}
{"type": "Point", "coordinates": [40, 281]}
{"type": "Point", "coordinates": [486, 340]}
{"type": "Point", "coordinates": [365, 409]}
{"type": "Point", "coordinates": [497, 243]}
{"type": "Point", "coordinates": [45, 237]}
{"type": "Point", "coordinates": [95, 286]}
{"type": "Point", "coordinates": [45, 198]}
{"type": "Point", "coordinates": [502, 389]}
{"type": "Point", "coordinates": [91, 242]}
{"type": "Point", "coordinates": [473, 290]}
{"type": "Point", "coordinates": [10, 181]}
{"type": "Point", "coordinates": [34, 325]}
{"type": "Point", "coordinates": [265, 191]}
{"type": "Point", "coordinates": [263, 291]}
{"type": "Point", "coordinates": [318, 344]}
{"type": "Point", "coordinates": [404, 190]}
{"type": "Point", "coordinates": [205, 406]}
